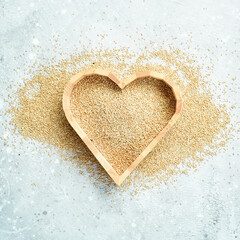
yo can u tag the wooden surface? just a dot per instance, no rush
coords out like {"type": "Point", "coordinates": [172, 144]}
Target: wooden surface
{"type": "Point", "coordinates": [118, 179]}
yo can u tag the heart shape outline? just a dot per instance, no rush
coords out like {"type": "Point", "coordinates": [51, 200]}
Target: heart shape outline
{"type": "Point", "coordinates": [118, 179]}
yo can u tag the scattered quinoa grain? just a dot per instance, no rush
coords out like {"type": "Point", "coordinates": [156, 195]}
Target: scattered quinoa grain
{"type": "Point", "coordinates": [36, 113]}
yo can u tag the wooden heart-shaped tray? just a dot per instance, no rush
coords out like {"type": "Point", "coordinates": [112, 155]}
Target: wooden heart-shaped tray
{"type": "Point", "coordinates": [118, 178]}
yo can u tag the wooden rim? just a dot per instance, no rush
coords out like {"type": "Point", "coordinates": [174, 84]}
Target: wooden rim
{"type": "Point", "coordinates": [118, 179]}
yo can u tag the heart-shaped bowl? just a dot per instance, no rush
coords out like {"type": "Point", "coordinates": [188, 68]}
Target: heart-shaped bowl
{"type": "Point", "coordinates": [118, 178]}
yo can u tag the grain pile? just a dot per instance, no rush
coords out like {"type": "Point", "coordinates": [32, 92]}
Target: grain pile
{"type": "Point", "coordinates": [201, 130]}
{"type": "Point", "coordinates": [122, 123]}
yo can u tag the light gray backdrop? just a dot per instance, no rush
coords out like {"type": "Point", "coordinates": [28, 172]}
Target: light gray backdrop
{"type": "Point", "coordinates": [61, 204]}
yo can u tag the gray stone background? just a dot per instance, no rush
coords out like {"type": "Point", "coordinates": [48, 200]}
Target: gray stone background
{"type": "Point", "coordinates": [61, 204]}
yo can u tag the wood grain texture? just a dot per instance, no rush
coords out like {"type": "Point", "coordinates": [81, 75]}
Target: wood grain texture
{"type": "Point", "coordinates": [118, 179]}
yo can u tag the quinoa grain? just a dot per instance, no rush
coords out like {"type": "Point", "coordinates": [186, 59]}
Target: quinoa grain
{"type": "Point", "coordinates": [202, 129]}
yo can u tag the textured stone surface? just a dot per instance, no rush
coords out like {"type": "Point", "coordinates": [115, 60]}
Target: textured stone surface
{"type": "Point", "coordinates": [43, 199]}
